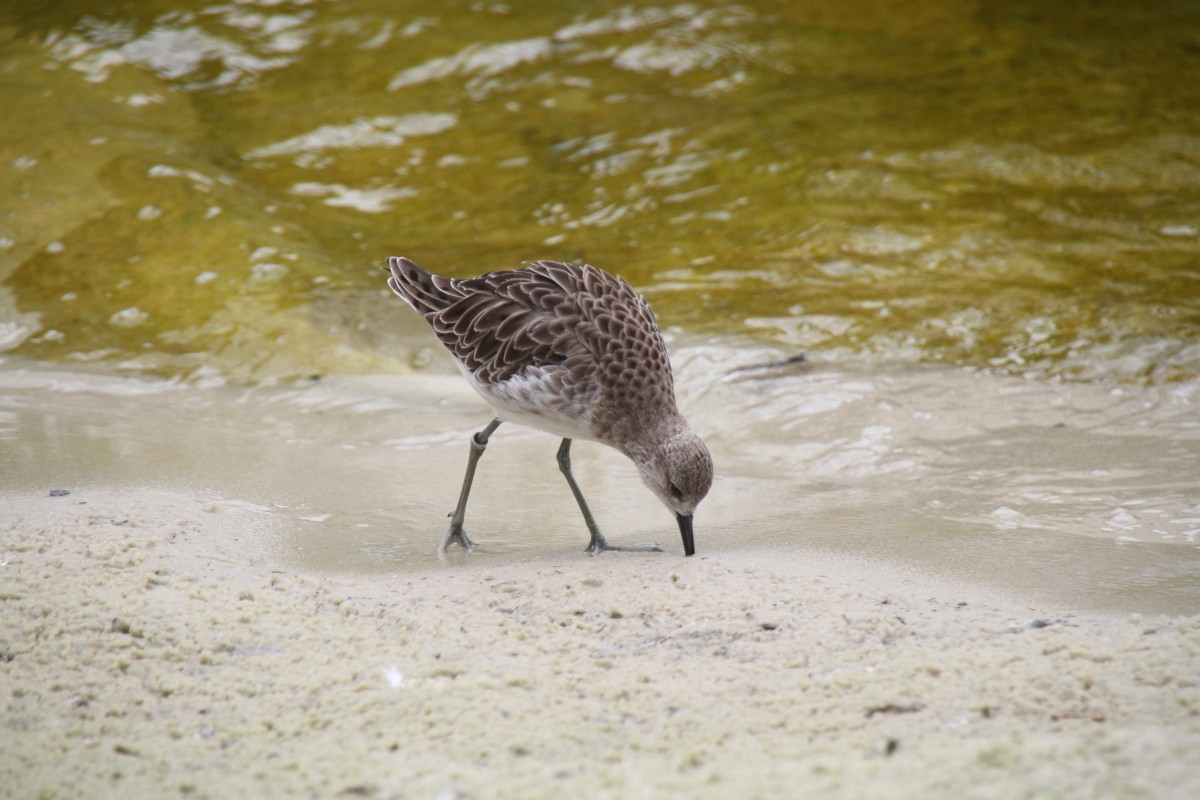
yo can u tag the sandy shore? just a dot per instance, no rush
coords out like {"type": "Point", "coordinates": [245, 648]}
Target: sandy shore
{"type": "Point", "coordinates": [150, 647]}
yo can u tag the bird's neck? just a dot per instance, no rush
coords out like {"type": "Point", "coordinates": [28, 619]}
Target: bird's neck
{"type": "Point", "coordinates": [642, 435]}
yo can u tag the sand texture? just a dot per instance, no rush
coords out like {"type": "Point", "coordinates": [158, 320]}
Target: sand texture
{"type": "Point", "coordinates": [149, 648]}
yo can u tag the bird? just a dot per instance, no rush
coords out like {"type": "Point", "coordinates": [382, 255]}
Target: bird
{"type": "Point", "coordinates": [574, 351]}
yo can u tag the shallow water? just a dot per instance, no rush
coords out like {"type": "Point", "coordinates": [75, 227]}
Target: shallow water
{"type": "Point", "coordinates": [979, 219]}
{"type": "Point", "coordinates": [1065, 494]}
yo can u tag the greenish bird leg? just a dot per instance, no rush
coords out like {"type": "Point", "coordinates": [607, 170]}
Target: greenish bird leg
{"type": "Point", "coordinates": [478, 445]}
{"type": "Point", "coordinates": [597, 544]}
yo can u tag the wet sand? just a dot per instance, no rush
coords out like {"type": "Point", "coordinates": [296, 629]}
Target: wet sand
{"type": "Point", "coordinates": [151, 646]}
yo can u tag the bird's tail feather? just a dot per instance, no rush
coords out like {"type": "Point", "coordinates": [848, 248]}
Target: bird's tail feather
{"type": "Point", "coordinates": [425, 292]}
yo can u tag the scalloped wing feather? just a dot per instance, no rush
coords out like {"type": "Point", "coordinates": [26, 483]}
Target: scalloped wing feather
{"type": "Point", "coordinates": [548, 314]}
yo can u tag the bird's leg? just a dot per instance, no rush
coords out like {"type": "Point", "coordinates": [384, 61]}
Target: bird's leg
{"type": "Point", "coordinates": [597, 544]}
{"type": "Point", "coordinates": [478, 445]}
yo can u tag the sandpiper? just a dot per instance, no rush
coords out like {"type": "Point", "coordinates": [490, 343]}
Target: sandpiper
{"type": "Point", "coordinates": [573, 351]}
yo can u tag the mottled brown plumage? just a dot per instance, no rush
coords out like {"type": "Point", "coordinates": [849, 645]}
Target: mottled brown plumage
{"type": "Point", "coordinates": [571, 350]}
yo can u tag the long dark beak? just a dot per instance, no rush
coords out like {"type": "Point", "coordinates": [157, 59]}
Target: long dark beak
{"type": "Point", "coordinates": [685, 529]}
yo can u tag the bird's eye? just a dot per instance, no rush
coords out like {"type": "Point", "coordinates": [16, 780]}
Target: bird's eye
{"type": "Point", "coordinates": [675, 491]}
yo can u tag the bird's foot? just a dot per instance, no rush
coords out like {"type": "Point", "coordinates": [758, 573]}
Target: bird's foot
{"type": "Point", "coordinates": [599, 545]}
{"type": "Point", "coordinates": [456, 534]}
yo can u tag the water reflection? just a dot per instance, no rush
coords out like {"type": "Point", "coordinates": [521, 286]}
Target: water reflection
{"type": "Point", "coordinates": [1011, 191]}
{"type": "Point", "coordinates": [179, 49]}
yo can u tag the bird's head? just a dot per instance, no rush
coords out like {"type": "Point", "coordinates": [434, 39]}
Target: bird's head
{"type": "Point", "coordinates": [679, 470]}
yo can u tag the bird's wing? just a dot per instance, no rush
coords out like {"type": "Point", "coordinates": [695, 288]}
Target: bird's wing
{"type": "Point", "coordinates": [498, 324]}
{"type": "Point", "coordinates": [549, 313]}
{"type": "Point", "coordinates": [614, 333]}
